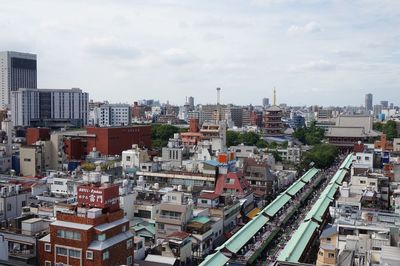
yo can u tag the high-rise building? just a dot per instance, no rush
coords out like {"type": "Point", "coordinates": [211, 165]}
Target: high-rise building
{"type": "Point", "coordinates": [368, 102]}
{"type": "Point", "coordinates": [265, 102]}
{"type": "Point", "coordinates": [385, 104]}
{"type": "Point", "coordinates": [17, 70]}
{"type": "Point", "coordinates": [191, 102]}
{"type": "Point", "coordinates": [39, 107]}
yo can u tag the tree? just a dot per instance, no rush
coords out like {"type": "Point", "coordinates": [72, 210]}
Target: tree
{"type": "Point", "coordinates": [322, 155]}
{"type": "Point", "coordinates": [160, 134]}
{"type": "Point", "coordinates": [389, 129]}
{"type": "Point", "coordinates": [311, 135]}
{"type": "Point", "coordinates": [247, 138]}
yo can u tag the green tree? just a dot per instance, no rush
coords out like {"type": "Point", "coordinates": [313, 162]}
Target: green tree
{"type": "Point", "coordinates": [160, 134]}
{"type": "Point", "coordinates": [277, 156]}
{"type": "Point", "coordinates": [322, 155]}
{"type": "Point", "coordinates": [311, 135]}
{"type": "Point", "coordinates": [389, 129]}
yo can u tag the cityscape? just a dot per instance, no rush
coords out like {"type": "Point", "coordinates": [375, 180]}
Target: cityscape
{"type": "Point", "coordinates": [295, 167]}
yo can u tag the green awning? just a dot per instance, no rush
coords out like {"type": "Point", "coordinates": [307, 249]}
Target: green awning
{"type": "Point", "coordinates": [277, 204]}
{"type": "Point", "coordinates": [295, 187]}
{"type": "Point", "coordinates": [309, 175]}
{"type": "Point", "coordinates": [217, 259]}
{"type": "Point", "coordinates": [238, 240]}
{"type": "Point", "coordinates": [319, 208]}
{"type": "Point", "coordinates": [298, 242]}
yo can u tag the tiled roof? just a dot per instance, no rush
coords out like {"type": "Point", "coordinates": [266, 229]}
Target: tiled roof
{"type": "Point", "coordinates": [178, 235]}
{"type": "Point", "coordinates": [208, 196]}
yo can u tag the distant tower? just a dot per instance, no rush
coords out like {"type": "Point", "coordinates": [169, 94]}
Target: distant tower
{"type": "Point", "coordinates": [265, 102]}
{"type": "Point", "coordinates": [218, 115]}
{"type": "Point", "coordinates": [191, 102]}
{"type": "Point", "coordinates": [17, 70]}
{"type": "Point", "coordinates": [368, 102]}
{"type": "Point", "coordinates": [274, 103]}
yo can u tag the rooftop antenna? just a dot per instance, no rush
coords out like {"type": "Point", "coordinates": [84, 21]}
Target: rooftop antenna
{"type": "Point", "coordinates": [218, 95]}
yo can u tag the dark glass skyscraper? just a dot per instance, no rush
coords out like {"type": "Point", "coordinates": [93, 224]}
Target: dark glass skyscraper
{"type": "Point", "coordinates": [368, 102]}
{"type": "Point", "coordinates": [17, 70]}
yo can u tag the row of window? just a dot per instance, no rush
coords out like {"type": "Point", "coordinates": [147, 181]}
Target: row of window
{"type": "Point", "coordinates": [76, 253]}
{"type": "Point", "coordinates": [69, 234]}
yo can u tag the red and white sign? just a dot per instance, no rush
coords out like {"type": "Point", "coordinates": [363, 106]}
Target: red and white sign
{"type": "Point", "coordinates": [98, 197]}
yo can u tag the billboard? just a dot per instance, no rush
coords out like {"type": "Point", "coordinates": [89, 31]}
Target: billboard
{"type": "Point", "coordinates": [99, 197]}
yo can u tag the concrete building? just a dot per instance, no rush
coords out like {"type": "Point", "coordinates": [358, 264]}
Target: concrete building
{"type": "Point", "coordinates": [368, 102]}
{"type": "Point", "coordinates": [12, 199]}
{"type": "Point", "coordinates": [49, 107]}
{"type": "Point", "coordinates": [114, 115]}
{"type": "Point", "coordinates": [95, 233]}
{"type": "Point", "coordinates": [132, 158]}
{"type": "Point", "coordinates": [328, 253]}
{"type": "Point", "coordinates": [22, 234]}
{"type": "Point", "coordinates": [35, 159]}
{"type": "Point", "coordinates": [174, 214]}
{"type": "Point", "coordinates": [17, 70]}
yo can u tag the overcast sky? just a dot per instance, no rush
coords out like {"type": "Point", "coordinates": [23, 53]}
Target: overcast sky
{"type": "Point", "coordinates": [325, 52]}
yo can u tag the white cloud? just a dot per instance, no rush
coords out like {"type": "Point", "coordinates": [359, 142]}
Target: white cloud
{"type": "Point", "coordinates": [178, 57]}
{"type": "Point", "coordinates": [310, 27]}
{"type": "Point", "coordinates": [320, 65]}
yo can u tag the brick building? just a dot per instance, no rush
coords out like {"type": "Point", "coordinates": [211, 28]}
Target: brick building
{"type": "Point", "coordinates": [95, 233]}
{"type": "Point", "coordinates": [107, 140]}
{"type": "Point", "coordinates": [34, 134]}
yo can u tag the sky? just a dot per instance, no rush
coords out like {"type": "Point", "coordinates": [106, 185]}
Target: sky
{"type": "Point", "coordinates": [314, 52]}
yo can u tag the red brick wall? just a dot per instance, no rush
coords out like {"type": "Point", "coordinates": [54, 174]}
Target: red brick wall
{"type": "Point", "coordinates": [113, 140]}
{"type": "Point", "coordinates": [34, 134]}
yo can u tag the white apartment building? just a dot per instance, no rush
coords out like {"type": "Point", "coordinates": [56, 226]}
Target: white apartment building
{"type": "Point", "coordinates": [114, 115]}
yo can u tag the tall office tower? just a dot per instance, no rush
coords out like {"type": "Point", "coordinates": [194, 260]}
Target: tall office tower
{"type": "Point", "coordinates": [368, 102]}
{"type": "Point", "coordinates": [265, 102]}
{"type": "Point", "coordinates": [191, 102]}
{"type": "Point", "coordinates": [17, 70]}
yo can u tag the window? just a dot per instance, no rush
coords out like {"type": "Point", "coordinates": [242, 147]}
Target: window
{"type": "Point", "coordinates": [128, 158]}
{"type": "Point", "coordinates": [23, 203]}
{"type": "Point", "coordinates": [61, 251]}
{"type": "Point", "coordinates": [106, 255]}
{"type": "Point", "coordinates": [69, 234]}
{"type": "Point", "coordinates": [101, 237]}
{"type": "Point", "coordinates": [321, 253]}
{"type": "Point", "coordinates": [129, 261]}
{"type": "Point", "coordinates": [124, 228]}
{"type": "Point", "coordinates": [328, 239]}
{"type": "Point", "coordinates": [27, 160]}
{"type": "Point", "coordinates": [47, 263]}
{"type": "Point", "coordinates": [362, 181]}
{"type": "Point", "coordinates": [331, 255]}
{"type": "Point", "coordinates": [89, 255]}
{"type": "Point", "coordinates": [372, 183]}
{"type": "Point", "coordinates": [75, 253]}
{"type": "Point", "coordinates": [203, 201]}
{"type": "Point", "coordinates": [129, 244]}
{"type": "Point", "coordinates": [367, 158]}
{"type": "Point", "coordinates": [47, 247]}
{"type": "Point", "coordinates": [8, 206]}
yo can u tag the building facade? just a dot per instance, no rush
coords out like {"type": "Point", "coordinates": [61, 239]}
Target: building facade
{"type": "Point", "coordinates": [17, 70]}
{"type": "Point", "coordinates": [38, 107]}
{"type": "Point", "coordinates": [114, 115]}
{"type": "Point", "coordinates": [96, 233]}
